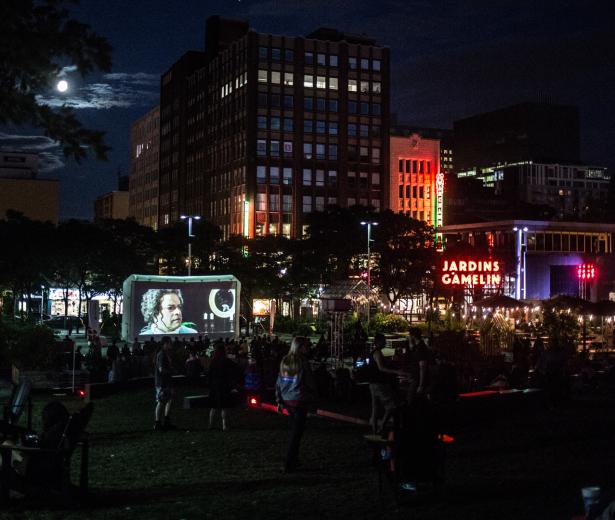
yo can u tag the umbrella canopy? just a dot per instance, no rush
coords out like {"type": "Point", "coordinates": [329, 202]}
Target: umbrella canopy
{"type": "Point", "coordinates": [499, 300]}
{"type": "Point", "coordinates": [604, 308]}
{"type": "Point", "coordinates": [563, 301]}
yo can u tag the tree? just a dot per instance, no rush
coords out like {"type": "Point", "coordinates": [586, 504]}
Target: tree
{"type": "Point", "coordinates": [37, 38]}
{"type": "Point", "coordinates": [406, 256]}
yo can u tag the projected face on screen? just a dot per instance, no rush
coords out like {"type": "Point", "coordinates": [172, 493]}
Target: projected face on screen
{"type": "Point", "coordinates": [162, 312]}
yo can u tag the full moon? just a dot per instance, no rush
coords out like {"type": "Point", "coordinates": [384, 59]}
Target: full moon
{"type": "Point", "coordinates": [62, 85]}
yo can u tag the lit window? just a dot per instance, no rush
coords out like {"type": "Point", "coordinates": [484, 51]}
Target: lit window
{"type": "Point", "coordinates": [274, 202]}
{"type": "Point", "coordinates": [308, 80]}
{"type": "Point", "coordinates": [320, 203]}
{"type": "Point", "coordinates": [307, 177]}
{"type": "Point", "coordinates": [320, 178]}
{"type": "Point", "coordinates": [261, 202]}
{"type": "Point", "coordinates": [375, 179]}
{"type": "Point", "coordinates": [261, 147]}
{"type": "Point", "coordinates": [288, 148]}
{"type": "Point", "coordinates": [287, 177]}
{"type": "Point", "coordinates": [307, 204]}
{"type": "Point", "coordinates": [332, 128]}
{"type": "Point", "coordinates": [321, 59]}
{"type": "Point", "coordinates": [274, 175]}
{"type": "Point", "coordinates": [261, 174]}
{"type": "Point", "coordinates": [352, 202]}
{"type": "Point", "coordinates": [287, 203]}
{"type": "Point", "coordinates": [376, 155]}
{"type": "Point", "coordinates": [364, 64]}
{"type": "Point", "coordinates": [307, 150]}
{"type": "Point", "coordinates": [320, 151]}
{"type": "Point", "coordinates": [376, 204]}
{"type": "Point", "coordinates": [274, 148]}
{"type": "Point", "coordinates": [363, 152]}
{"type": "Point", "coordinates": [376, 87]}
{"type": "Point", "coordinates": [275, 77]}
{"type": "Point", "coordinates": [364, 87]}
{"type": "Point", "coordinates": [333, 83]}
{"type": "Point", "coordinates": [376, 64]}
{"type": "Point", "coordinates": [352, 85]}
{"type": "Point", "coordinates": [288, 79]}
{"type": "Point", "coordinates": [275, 123]}
{"type": "Point", "coordinates": [262, 76]}
{"type": "Point", "coordinates": [321, 82]}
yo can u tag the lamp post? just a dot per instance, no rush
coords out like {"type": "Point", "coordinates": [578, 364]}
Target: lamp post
{"type": "Point", "coordinates": [190, 235]}
{"type": "Point", "coordinates": [369, 225]}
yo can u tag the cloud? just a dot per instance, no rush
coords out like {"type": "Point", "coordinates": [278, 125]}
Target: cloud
{"type": "Point", "coordinates": [114, 90]}
{"type": "Point", "coordinates": [48, 150]}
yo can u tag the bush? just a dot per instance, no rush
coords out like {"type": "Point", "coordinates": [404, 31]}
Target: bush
{"type": "Point", "coordinates": [27, 346]}
{"type": "Point", "coordinates": [305, 329]}
{"type": "Point", "coordinates": [388, 323]}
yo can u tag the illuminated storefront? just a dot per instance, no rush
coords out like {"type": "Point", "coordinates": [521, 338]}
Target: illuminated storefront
{"type": "Point", "coordinates": [543, 258]}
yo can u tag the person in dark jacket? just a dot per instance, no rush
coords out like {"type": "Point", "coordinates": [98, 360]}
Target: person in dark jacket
{"type": "Point", "coordinates": [222, 378]}
{"type": "Point", "coordinates": [295, 390]}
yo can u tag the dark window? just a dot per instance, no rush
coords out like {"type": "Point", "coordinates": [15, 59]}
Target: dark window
{"type": "Point", "coordinates": [307, 126]}
{"type": "Point", "coordinates": [352, 129]}
{"type": "Point", "coordinates": [414, 192]}
{"type": "Point", "coordinates": [376, 109]}
{"type": "Point", "coordinates": [308, 103]}
{"type": "Point", "coordinates": [321, 104]}
{"type": "Point", "coordinates": [309, 58]}
{"type": "Point", "coordinates": [421, 192]}
{"type": "Point", "coordinates": [321, 59]}
{"type": "Point", "coordinates": [275, 100]}
{"type": "Point", "coordinates": [364, 64]}
{"type": "Point", "coordinates": [352, 107]}
{"type": "Point", "coordinates": [375, 131]}
{"type": "Point", "coordinates": [364, 109]}
{"type": "Point", "coordinates": [261, 122]}
{"type": "Point", "coordinates": [275, 54]}
{"type": "Point", "coordinates": [376, 64]}
{"type": "Point", "coordinates": [401, 167]}
{"type": "Point", "coordinates": [333, 60]}
{"type": "Point", "coordinates": [289, 55]}
{"type": "Point", "coordinates": [407, 166]}
{"type": "Point", "coordinates": [263, 53]}
{"type": "Point", "coordinates": [262, 100]}
{"type": "Point", "coordinates": [352, 153]}
{"type": "Point", "coordinates": [352, 62]}
{"type": "Point", "coordinates": [333, 152]}
{"type": "Point", "coordinates": [288, 101]}
{"type": "Point", "coordinates": [364, 131]}
{"type": "Point", "coordinates": [333, 127]}
{"type": "Point", "coordinates": [320, 127]}
{"type": "Point", "coordinates": [401, 191]}
{"type": "Point", "coordinates": [407, 191]}
{"type": "Point", "coordinates": [288, 124]}
{"type": "Point", "coordinates": [333, 105]}
{"type": "Point", "coordinates": [275, 123]}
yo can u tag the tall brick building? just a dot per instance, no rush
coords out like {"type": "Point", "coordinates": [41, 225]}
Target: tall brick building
{"type": "Point", "coordinates": [262, 129]}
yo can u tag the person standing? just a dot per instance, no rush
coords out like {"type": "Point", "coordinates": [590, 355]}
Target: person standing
{"type": "Point", "coordinates": [381, 386]}
{"type": "Point", "coordinates": [163, 372]}
{"type": "Point", "coordinates": [295, 390]}
{"type": "Point", "coordinates": [222, 375]}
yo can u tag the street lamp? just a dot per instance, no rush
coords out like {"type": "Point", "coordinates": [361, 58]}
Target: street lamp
{"type": "Point", "coordinates": [369, 225]}
{"type": "Point", "coordinates": [190, 235]}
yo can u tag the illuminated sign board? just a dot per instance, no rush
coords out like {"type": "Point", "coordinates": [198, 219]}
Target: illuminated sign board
{"type": "Point", "coordinates": [261, 307]}
{"type": "Point", "coordinates": [439, 200]}
{"type": "Point", "coordinates": [471, 272]}
{"type": "Point", "coordinates": [586, 272]}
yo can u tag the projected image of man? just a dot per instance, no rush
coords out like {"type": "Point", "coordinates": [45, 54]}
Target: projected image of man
{"type": "Point", "coordinates": [162, 312]}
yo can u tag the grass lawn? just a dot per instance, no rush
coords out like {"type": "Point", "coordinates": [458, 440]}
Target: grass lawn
{"type": "Point", "coordinates": [521, 466]}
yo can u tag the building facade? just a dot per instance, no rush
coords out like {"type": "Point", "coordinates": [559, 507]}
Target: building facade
{"type": "Point", "coordinates": [416, 180]}
{"type": "Point", "coordinates": [144, 169]}
{"type": "Point", "coordinates": [274, 127]}
{"type": "Point", "coordinates": [112, 205]}
{"type": "Point", "coordinates": [540, 259]}
{"type": "Point", "coordinates": [21, 190]}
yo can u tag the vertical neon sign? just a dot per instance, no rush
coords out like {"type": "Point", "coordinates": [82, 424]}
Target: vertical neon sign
{"type": "Point", "coordinates": [439, 205]}
{"type": "Point", "coordinates": [246, 218]}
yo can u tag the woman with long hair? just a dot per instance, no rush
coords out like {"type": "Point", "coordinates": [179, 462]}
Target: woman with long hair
{"type": "Point", "coordinates": [296, 391]}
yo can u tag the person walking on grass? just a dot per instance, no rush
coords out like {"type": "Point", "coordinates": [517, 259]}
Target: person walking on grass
{"type": "Point", "coordinates": [163, 371]}
{"type": "Point", "coordinates": [296, 391]}
{"type": "Point", "coordinates": [223, 374]}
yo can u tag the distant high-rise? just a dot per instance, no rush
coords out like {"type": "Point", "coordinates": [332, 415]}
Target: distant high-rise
{"type": "Point", "coordinates": [144, 171]}
{"type": "Point", "coordinates": [537, 132]}
{"type": "Point", "coordinates": [273, 128]}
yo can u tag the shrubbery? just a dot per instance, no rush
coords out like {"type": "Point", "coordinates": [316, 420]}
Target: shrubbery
{"type": "Point", "coordinates": [27, 346]}
{"type": "Point", "coordinates": [388, 323]}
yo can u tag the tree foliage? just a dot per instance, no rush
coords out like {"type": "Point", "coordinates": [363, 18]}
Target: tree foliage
{"type": "Point", "coordinates": [38, 38]}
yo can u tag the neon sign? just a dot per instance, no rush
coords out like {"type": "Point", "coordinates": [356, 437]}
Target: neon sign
{"type": "Point", "coordinates": [586, 271]}
{"type": "Point", "coordinates": [471, 272]}
{"type": "Point", "coordinates": [439, 199]}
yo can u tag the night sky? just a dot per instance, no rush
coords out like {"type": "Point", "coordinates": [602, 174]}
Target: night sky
{"type": "Point", "coordinates": [449, 60]}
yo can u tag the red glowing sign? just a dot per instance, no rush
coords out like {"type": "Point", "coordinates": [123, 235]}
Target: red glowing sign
{"type": "Point", "coordinates": [471, 272]}
{"type": "Point", "coordinates": [586, 271]}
